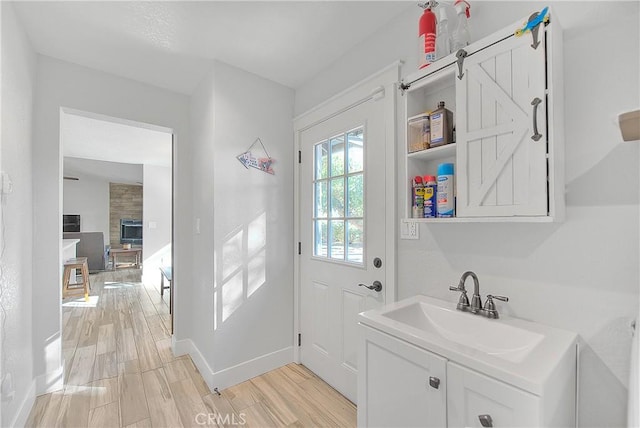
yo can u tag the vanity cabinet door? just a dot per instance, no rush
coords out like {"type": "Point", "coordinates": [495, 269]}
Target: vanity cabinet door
{"type": "Point", "coordinates": [399, 385]}
{"type": "Point", "coordinates": [475, 400]}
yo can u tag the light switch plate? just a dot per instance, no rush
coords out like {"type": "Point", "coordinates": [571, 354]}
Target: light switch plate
{"type": "Point", "coordinates": [409, 229]}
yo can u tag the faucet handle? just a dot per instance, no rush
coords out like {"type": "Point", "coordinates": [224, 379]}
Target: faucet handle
{"type": "Point", "coordinates": [490, 310]}
{"type": "Point", "coordinates": [489, 305]}
{"type": "Point", "coordinates": [463, 301]}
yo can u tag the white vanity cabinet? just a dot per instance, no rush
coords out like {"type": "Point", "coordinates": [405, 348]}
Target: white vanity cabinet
{"type": "Point", "coordinates": [409, 375]}
{"type": "Point", "coordinates": [476, 400]}
{"type": "Point", "coordinates": [506, 96]}
{"type": "Point", "coordinates": [405, 385]}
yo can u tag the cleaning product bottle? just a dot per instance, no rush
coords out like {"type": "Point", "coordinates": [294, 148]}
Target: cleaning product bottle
{"type": "Point", "coordinates": [427, 35]}
{"type": "Point", "coordinates": [461, 36]}
{"type": "Point", "coordinates": [446, 197]}
{"type": "Point", "coordinates": [430, 190]}
{"type": "Point", "coordinates": [441, 126]}
{"type": "Point", "coordinates": [443, 34]}
{"type": "Point", "coordinates": [418, 197]}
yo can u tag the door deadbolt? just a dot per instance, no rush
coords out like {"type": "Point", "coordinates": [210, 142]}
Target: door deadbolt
{"type": "Point", "coordinates": [377, 262]}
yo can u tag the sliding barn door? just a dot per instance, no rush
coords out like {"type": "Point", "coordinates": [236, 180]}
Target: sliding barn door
{"type": "Point", "coordinates": [501, 131]}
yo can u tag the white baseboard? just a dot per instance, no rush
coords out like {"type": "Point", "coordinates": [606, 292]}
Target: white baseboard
{"type": "Point", "coordinates": [51, 381]}
{"type": "Point", "coordinates": [252, 368]}
{"type": "Point", "coordinates": [238, 373]}
{"type": "Point", "coordinates": [22, 415]}
{"type": "Point", "coordinates": [186, 346]}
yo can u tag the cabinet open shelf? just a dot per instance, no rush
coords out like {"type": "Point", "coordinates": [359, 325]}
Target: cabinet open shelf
{"type": "Point", "coordinates": [434, 153]}
{"type": "Point", "coordinates": [522, 219]}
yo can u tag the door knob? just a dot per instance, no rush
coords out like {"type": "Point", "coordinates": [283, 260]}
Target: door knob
{"type": "Point", "coordinates": [377, 286]}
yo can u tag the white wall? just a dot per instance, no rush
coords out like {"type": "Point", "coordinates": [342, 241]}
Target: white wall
{"type": "Point", "coordinates": [156, 218]}
{"type": "Point", "coordinates": [242, 256]}
{"type": "Point", "coordinates": [62, 84]}
{"type": "Point", "coordinates": [16, 279]}
{"type": "Point", "coordinates": [89, 197]}
{"type": "Point", "coordinates": [581, 275]}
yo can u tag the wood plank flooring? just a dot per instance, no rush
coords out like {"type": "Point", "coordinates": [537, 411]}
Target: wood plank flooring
{"type": "Point", "coordinates": [120, 372]}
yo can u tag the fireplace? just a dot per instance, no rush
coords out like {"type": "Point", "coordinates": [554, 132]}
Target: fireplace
{"type": "Point", "coordinates": [131, 231]}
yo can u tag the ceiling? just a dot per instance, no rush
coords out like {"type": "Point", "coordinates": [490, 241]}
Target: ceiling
{"type": "Point", "coordinates": [106, 139]}
{"type": "Point", "coordinates": [113, 172]}
{"type": "Point", "coordinates": [171, 44]}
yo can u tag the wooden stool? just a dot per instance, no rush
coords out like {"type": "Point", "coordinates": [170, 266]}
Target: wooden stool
{"type": "Point", "coordinates": [69, 266]}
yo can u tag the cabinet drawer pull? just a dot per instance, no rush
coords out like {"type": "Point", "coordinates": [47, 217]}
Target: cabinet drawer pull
{"type": "Point", "coordinates": [486, 420]}
{"type": "Point", "coordinates": [535, 103]}
{"type": "Point", "coordinates": [434, 382]}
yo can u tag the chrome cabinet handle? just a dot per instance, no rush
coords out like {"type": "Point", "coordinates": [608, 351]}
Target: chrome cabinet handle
{"type": "Point", "coordinates": [486, 420]}
{"type": "Point", "coordinates": [535, 103]}
{"type": "Point", "coordinates": [377, 286]}
{"type": "Point", "coordinates": [434, 382]}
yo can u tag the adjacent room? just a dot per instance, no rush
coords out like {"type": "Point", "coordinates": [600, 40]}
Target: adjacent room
{"type": "Point", "coordinates": [320, 213]}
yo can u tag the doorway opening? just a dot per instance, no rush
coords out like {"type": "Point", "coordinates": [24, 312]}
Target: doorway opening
{"type": "Point", "coordinates": [117, 218]}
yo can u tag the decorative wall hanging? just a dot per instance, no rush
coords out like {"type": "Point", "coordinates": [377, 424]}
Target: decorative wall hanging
{"type": "Point", "coordinates": [262, 163]}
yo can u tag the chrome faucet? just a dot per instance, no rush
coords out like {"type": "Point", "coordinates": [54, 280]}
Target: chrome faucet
{"type": "Point", "coordinates": [476, 301]}
{"type": "Point", "coordinates": [463, 303]}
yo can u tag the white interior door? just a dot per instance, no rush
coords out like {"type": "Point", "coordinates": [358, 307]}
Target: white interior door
{"type": "Point", "coordinates": [342, 232]}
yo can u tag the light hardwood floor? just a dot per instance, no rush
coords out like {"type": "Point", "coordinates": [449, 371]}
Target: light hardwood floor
{"type": "Point", "coordinates": [121, 372]}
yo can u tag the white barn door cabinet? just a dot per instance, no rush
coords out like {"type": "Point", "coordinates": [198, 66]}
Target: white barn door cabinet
{"type": "Point", "coordinates": [506, 96]}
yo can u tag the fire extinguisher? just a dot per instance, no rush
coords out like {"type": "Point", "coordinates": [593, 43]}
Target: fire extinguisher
{"type": "Point", "coordinates": [427, 34]}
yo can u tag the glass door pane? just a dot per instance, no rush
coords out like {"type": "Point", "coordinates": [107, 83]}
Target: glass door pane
{"type": "Point", "coordinates": [338, 200]}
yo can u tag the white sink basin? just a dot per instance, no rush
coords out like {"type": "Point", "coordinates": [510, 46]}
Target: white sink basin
{"type": "Point", "coordinates": [519, 352]}
{"type": "Point", "coordinates": [491, 337]}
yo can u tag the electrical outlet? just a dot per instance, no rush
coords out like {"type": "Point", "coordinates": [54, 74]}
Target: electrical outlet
{"type": "Point", "coordinates": [197, 226]}
{"type": "Point", "coordinates": [409, 229]}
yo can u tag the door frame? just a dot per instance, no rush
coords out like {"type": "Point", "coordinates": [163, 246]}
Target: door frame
{"type": "Point", "coordinates": [384, 84]}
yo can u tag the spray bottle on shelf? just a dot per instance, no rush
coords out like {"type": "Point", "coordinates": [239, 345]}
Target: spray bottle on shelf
{"type": "Point", "coordinates": [430, 192]}
{"type": "Point", "coordinates": [446, 190]}
{"type": "Point", "coordinates": [427, 35]}
{"type": "Point", "coordinates": [417, 203]}
{"type": "Point", "coordinates": [461, 36]}
{"type": "Point", "coordinates": [443, 34]}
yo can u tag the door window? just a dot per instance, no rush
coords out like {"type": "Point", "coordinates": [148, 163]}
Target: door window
{"type": "Point", "coordinates": [338, 200]}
